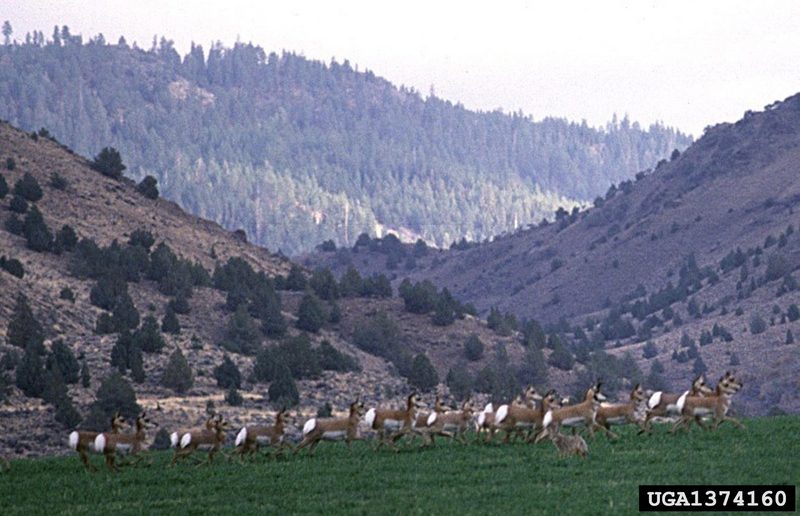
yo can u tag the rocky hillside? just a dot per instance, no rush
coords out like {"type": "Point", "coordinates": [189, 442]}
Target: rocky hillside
{"type": "Point", "coordinates": [709, 236]}
{"type": "Point", "coordinates": [63, 292]}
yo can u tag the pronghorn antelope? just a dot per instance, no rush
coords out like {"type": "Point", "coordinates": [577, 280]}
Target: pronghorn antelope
{"type": "Point", "coordinates": [332, 429]}
{"type": "Point", "coordinates": [583, 413]}
{"type": "Point", "coordinates": [632, 412]}
{"type": "Point", "coordinates": [663, 404]}
{"type": "Point", "coordinates": [109, 443]}
{"type": "Point", "coordinates": [484, 423]}
{"type": "Point", "coordinates": [421, 424]}
{"type": "Point", "coordinates": [400, 421]}
{"type": "Point", "coordinates": [447, 423]}
{"type": "Point", "coordinates": [519, 416]}
{"type": "Point", "coordinates": [250, 438]}
{"type": "Point", "coordinates": [210, 438]}
{"type": "Point", "coordinates": [569, 444]}
{"type": "Point", "coordinates": [715, 405]}
{"type": "Point", "coordinates": [83, 442]}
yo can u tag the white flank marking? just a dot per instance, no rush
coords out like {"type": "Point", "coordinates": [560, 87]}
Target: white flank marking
{"type": "Point", "coordinates": [392, 424]}
{"type": "Point", "coordinates": [173, 439]}
{"type": "Point", "coordinates": [654, 400]}
{"type": "Point", "coordinates": [370, 417]}
{"type": "Point", "coordinates": [73, 440]}
{"type": "Point", "coordinates": [682, 402]}
{"type": "Point", "coordinates": [334, 435]}
{"type": "Point", "coordinates": [502, 412]}
{"type": "Point", "coordinates": [310, 425]}
{"type": "Point", "coordinates": [186, 440]}
{"type": "Point", "coordinates": [431, 419]}
{"type": "Point", "coordinates": [100, 443]}
{"type": "Point", "coordinates": [241, 436]}
{"type": "Point", "coordinates": [548, 418]}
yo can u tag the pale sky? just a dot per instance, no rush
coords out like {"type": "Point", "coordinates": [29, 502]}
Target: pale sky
{"type": "Point", "coordinates": [686, 63]}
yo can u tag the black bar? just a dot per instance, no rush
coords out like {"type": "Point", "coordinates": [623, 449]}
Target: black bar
{"type": "Point", "coordinates": [767, 498]}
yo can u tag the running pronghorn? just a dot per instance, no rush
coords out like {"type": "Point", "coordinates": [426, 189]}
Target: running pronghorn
{"type": "Point", "coordinates": [632, 412]}
{"type": "Point", "coordinates": [569, 444]}
{"type": "Point", "coordinates": [583, 413]}
{"type": "Point", "coordinates": [110, 443]}
{"type": "Point", "coordinates": [400, 421]}
{"type": "Point", "coordinates": [211, 438]}
{"type": "Point", "coordinates": [421, 425]}
{"type": "Point", "coordinates": [83, 442]}
{"type": "Point", "coordinates": [332, 429]}
{"type": "Point", "coordinates": [715, 405]}
{"type": "Point", "coordinates": [447, 423]}
{"type": "Point", "coordinates": [250, 438]}
{"type": "Point", "coordinates": [519, 416]}
{"type": "Point", "coordinates": [484, 423]}
{"type": "Point", "coordinates": [663, 404]}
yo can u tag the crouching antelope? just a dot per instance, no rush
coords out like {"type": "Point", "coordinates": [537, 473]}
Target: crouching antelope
{"type": "Point", "coordinates": [663, 404]}
{"type": "Point", "coordinates": [250, 438]}
{"type": "Point", "coordinates": [583, 413]}
{"type": "Point", "coordinates": [446, 423]}
{"type": "Point", "coordinates": [332, 429]}
{"type": "Point", "coordinates": [715, 405]}
{"type": "Point", "coordinates": [83, 442]}
{"type": "Point", "coordinates": [632, 412]}
{"type": "Point", "coordinates": [402, 422]}
{"type": "Point", "coordinates": [110, 443]}
{"type": "Point", "coordinates": [210, 438]}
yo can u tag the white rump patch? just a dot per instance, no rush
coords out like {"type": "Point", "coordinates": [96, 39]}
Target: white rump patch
{"type": "Point", "coordinates": [100, 443]}
{"type": "Point", "coordinates": [548, 418]}
{"type": "Point", "coordinates": [310, 425]}
{"type": "Point", "coordinates": [241, 436]}
{"type": "Point", "coordinates": [186, 440]}
{"type": "Point", "coordinates": [502, 412]}
{"type": "Point", "coordinates": [682, 401]}
{"type": "Point", "coordinates": [488, 408]}
{"type": "Point", "coordinates": [370, 417]}
{"type": "Point", "coordinates": [431, 419]}
{"type": "Point", "coordinates": [481, 419]}
{"type": "Point", "coordinates": [73, 440]}
{"type": "Point", "coordinates": [173, 439]}
{"type": "Point", "coordinates": [655, 400]}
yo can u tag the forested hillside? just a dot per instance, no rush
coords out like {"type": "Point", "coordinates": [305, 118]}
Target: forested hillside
{"type": "Point", "coordinates": [296, 151]}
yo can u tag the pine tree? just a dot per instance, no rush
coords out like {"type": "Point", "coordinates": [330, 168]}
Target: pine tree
{"type": "Point", "coordinates": [28, 187]}
{"type": "Point", "coordinates": [30, 373]}
{"type": "Point", "coordinates": [23, 328]}
{"type": "Point", "coordinates": [423, 375]}
{"type": "Point", "coordinates": [170, 323]}
{"type": "Point", "coordinates": [148, 337]}
{"type": "Point", "coordinates": [311, 314]}
{"type": "Point", "coordinates": [62, 357]}
{"type": "Point", "coordinates": [37, 234]}
{"type": "Point", "coordinates": [473, 348]}
{"type": "Point", "coordinates": [242, 334]}
{"type": "Point", "coordinates": [109, 163]}
{"type": "Point", "coordinates": [114, 395]}
{"type": "Point", "coordinates": [178, 375]}
{"type": "Point", "coordinates": [296, 280]}
{"type": "Point", "coordinates": [227, 374]}
{"type": "Point", "coordinates": [283, 390]}
{"type": "Point", "coordinates": [125, 315]}
{"type": "Point", "coordinates": [148, 187]}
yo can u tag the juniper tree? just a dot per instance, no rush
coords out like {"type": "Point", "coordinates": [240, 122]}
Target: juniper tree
{"type": "Point", "coordinates": [23, 328]}
{"type": "Point", "coordinates": [311, 314]}
{"type": "Point", "coordinates": [178, 375]}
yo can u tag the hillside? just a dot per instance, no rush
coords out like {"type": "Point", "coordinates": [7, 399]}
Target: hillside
{"type": "Point", "coordinates": [710, 236]}
{"type": "Point", "coordinates": [113, 214]}
{"type": "Point", "coordinates": [307, 151]}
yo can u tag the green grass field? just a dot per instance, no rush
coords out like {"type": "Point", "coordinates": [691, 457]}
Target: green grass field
{"type": "Point", "coordinates": [447, 479]}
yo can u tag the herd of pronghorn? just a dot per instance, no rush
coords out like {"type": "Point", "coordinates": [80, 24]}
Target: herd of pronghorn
{"type": "Point", "coordinates": [532, 417]}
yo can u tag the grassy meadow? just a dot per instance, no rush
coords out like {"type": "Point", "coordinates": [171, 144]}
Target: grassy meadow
{"type": "Point", "coordinates": [449, 478]}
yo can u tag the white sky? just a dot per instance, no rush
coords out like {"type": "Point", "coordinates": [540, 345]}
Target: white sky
{"type": "Point", "coordinates": [686, 63]}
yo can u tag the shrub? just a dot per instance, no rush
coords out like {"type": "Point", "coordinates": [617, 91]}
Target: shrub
{"type": "Point", "coordinates": [14, 225]}
{"type": "Point", "coordinates": [311, 314]}
{"type": "Point", "coordinates": [58, 181]}
{"type": "Point", "coordinates": [331, 359]}
{"type": "Point", "coordinates": [242, 334]}
{"type": "Point", "coordinates": [326, 410]}
{"type": "Point", "coordinates": [650, 350]}
{"type": "Point", "coordinates": [296, 280]}
{"type": "Point", "coordinates": [180, 305]}
{"type": "Point", "coordinates": [473, 348]}
{"type": "Point", "coordinates": [324, 284]}
{"type": "Point", "coordinates": [142, 238]}
{"type": "Point", "coordinates": [148, 187]}
{"type": "Point", "coordinates": [177, 375]}
{"type": "Point", "coordinates": [227, 374]}
{"type": "Point", "coordinates": [28, 187]}
{"type": "Point", "coordinates": [561, 358]}
{"type": "Point", "coordinates": [38, 235]}
{"type": "Point", "coordinates": [793, 313]}
{"type": "Point", "coordinates": [423, 375]}
{"type": "Point", "coordinates": [66, 239]}
{"type": "Point", "coordinates": [233, 398]}
{"type": "Point", "coordinates": [18, 204]}
{"type": "Point", "coordinates": [789, 337]}
{"type": "Point", "coordinates": [12, 266]}
{"type": "Point", "coordinates": [11, 164]}
{"type": "Point", "coordinates": [109, 163]}
{"type": "Point", "coordinates": [757, 325]}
